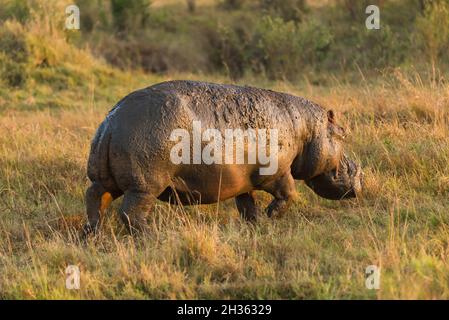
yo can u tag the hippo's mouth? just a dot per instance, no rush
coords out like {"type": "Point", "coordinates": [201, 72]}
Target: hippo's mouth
{"type": "Point", "coordinates": [342, 183]}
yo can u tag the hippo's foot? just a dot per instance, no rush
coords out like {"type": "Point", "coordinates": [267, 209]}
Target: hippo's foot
{"type": "Point", "coordinates": [277, 207]}
{"type": "Point", "coordinates": [247, 206]}
{"type": "Point", "coordinates": [284, 192]}
{"type": "Point", "coordinates": [97, 201]}
{"type": "Point", "coordinates": [88, 230]}
{"type": "Point", "coordinates": [134, 209]}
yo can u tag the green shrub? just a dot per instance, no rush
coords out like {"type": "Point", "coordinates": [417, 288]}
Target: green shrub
{"type": "Point", "coordinates": [433, 28]}
{"type": "Point", "coordinates": [130, 15]}
{"type": "Point", "coordinates": [276, 48]}
{"type": "Point", "coordinates": [355, 9]}
{"type": "Point", "coordinates": [191, 6]}
{"type": "Point", "coordinates": [94, 14]}
{"type": "Point", "coordinates": [229, 49]}
{"type": "Point", "coordinates": [231, 4]}
{"type": "Point", "coordinates": [315, 42]}
{"type": "Point", "coordinates": [11, 73]}
{"type": "Point", "coordinates": [14, 9]}
{"type": "Point", "coordinates": [285, 49]}
{"type": "Point", "coordinates": [161, 52]}
{"type": "Point", "coordinates": [269, 46]}
{"type": "Point", "coordinates": [285, 9]}
{"type": "Point", "coordinates": [14, 54]}
{"type": "Point", "coordinates": [376, 48]}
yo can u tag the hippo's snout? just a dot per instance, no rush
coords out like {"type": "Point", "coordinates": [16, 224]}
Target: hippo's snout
{"type": "Point", "coordinates": [342, 183]}
{"type": "Point", "coordinates": [355, 177]}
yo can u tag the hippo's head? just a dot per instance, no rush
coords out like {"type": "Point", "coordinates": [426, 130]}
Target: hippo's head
{"type": "Point", "coordinates": [340, 183]}
{"type": "Point", "coordinates": [336, 177]}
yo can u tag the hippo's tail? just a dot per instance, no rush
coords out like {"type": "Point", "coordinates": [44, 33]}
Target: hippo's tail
{"type": "Point", "coordinates": [98, 169]}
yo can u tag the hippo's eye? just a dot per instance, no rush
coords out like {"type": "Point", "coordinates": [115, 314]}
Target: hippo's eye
{"type": "Point", "coordinates": [335, 174]}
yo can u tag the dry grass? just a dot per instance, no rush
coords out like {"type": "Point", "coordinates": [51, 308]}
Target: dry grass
{"type": "Point", "coordinates": [399, 130]}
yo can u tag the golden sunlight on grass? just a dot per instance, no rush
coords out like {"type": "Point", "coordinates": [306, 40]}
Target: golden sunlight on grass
{"type": "Point", "coordinates": [320, 249]}
{"type": "Point", "coordinates": [55, 90]}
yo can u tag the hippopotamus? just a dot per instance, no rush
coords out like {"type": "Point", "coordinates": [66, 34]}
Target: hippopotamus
{"type": "Point", "coordinates": [132, 153]}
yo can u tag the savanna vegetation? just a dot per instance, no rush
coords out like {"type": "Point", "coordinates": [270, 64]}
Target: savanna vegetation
{"type": "Point", "coordinates": [389, 87]}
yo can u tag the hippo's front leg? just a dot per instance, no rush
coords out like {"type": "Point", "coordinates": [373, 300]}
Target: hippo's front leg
{"type": "Point", "coordinates": [247, 206]}
{"type": "Point", "coordinates": [284, 193]}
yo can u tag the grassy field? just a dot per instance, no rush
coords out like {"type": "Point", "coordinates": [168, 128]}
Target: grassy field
{"type": "Point", "coordinates": [54, 94]}
{"type": "Point", "coordinates": [320, 249]}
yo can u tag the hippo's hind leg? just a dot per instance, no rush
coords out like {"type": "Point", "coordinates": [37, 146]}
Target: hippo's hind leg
{"type": "Point", "coordinates": [97, 201]}
{"type": "Point", "coordinates": [134, 209]}
{"type": "Point", "coordinates": [247, 206]}
{"type": "Point", "coordinates": [284, 192]}
{"type": "Point", "coordinates": [137, 204]}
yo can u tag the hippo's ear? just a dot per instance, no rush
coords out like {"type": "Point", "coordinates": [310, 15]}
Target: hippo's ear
{"type": "Point", "coordinates": [336, 130]}
{"type": "Point", "coordinates": [331, 116]}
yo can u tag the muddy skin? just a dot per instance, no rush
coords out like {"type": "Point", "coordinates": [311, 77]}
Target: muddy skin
{"type": "Point", "coordinates": [130, 153]}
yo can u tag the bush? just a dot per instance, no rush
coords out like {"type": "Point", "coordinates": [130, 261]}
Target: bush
{"type": "Point", "coordinates": [14, 9]}
{"type": "Point", "coordinates": [161, 52]}
{"type": "Point", "coordinates": [284, 49]}
{"type": "Point", "coordinates": [276, 48]}
{"type": "Point", "coordinates": [269, 46]}
{"type": "Point", "coordinates": [231, 4]}
{"type": "Point", "coordinates": [94, 14]}
{"type": "Point", "coordinates": [229, 48]}
{"type": "Point", "coordinates": [130, 15]}
{"type": "Point", "coordinates": [14, 54]}
{"type": "Point", "coordinates": [376, 48]}
{"type": "Point", "coordinates": [355, 9]}
{"type": "Point", "coordinates": [286, 9]}
{"type": "Point", "coordinates": [433, 28]}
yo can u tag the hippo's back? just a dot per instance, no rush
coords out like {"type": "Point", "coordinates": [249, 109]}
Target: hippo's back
{"type": "Point", "coordinates": [229, 106]}
{"type": "Point", "coordinates": [218, 106]}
